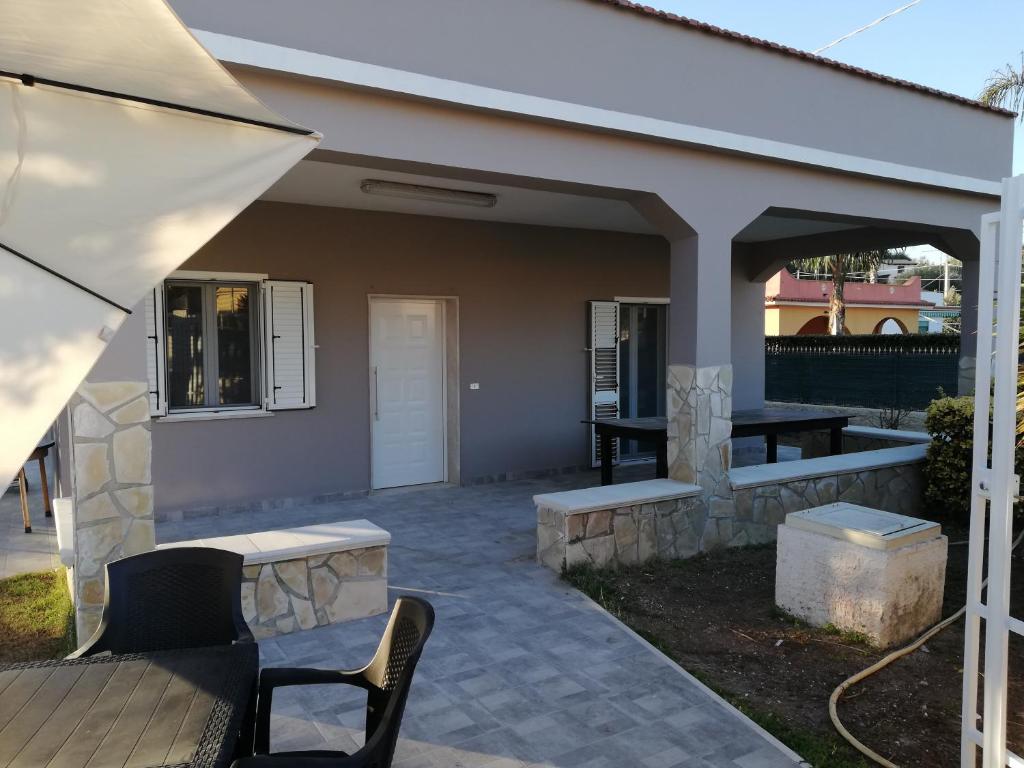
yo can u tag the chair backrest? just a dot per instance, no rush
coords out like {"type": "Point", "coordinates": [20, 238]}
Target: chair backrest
{"type": "Point", "coordinates": [389, 676]}
{"type": "Point", "coordinates": [185, 597]}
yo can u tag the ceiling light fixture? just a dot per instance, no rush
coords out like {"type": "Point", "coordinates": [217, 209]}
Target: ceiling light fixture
{"type": "Point", "coordinates": [431, 194]}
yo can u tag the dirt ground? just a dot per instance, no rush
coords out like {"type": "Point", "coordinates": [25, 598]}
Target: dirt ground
{"type": "Point", "coordinates": [715, 615]}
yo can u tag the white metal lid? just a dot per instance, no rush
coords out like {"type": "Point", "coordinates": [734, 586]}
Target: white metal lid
{"type": "Point", "coordinates": [861, 525]}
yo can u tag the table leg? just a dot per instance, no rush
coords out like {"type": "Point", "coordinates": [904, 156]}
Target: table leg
{"type": "Point", "coordinates": [23, 491]}
{"type": "Point", "coordinates": [606, 458]}
{"type": "Point", "coordinates": [836, 441]}
{"type": "Point", "coordinates": [45, 486]}
{"type": "Point", "coordinates": [772, 442]}
{"type": "Point", "coordinates": [661, 454]}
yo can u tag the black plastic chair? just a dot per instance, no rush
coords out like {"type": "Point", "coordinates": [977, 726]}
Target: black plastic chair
{"type": "Point", "coordinates": [386, 679]}
{"type": "Point", "coordinates": [186, 597]}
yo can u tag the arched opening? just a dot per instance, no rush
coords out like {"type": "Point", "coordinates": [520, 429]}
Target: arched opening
{"type": "Point", "coordinates": [818, 326]}
{"type": "Point", "coordinates": [889, 326]}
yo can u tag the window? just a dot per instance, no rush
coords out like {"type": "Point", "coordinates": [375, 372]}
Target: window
{"type": "Point", "coordinates": [221, 345]}
{"type": "Point", "coordinates": [212, 346]}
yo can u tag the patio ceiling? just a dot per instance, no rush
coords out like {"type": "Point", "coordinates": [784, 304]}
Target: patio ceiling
{"type": "Point", "coordinates": [774, 237]}
{"type": "Point", "coordinates": [335, 185]}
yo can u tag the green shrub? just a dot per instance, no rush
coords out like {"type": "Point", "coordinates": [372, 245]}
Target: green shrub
{"type": "Point", "coordinates": [950, 422]}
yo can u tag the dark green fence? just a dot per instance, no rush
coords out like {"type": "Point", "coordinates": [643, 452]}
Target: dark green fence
{"type": "Point", "coordinates": [869, 371]}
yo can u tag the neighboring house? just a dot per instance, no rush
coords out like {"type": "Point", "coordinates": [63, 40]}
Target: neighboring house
{"type": "Point", "coordinates": [941, 317]}
{"type": "Point", "coordinates": [411, 304]}
{"type": "Point", "coordinates": [892, 267]}
{"type": "Point", "coordinates": [799, 307]}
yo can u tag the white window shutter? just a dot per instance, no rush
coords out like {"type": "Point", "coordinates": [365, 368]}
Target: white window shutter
{"type": "Point", "coordinates": [156, 358]}
{"type": "Point", "coordinates": [604, 369]}
{"type": "Point", "coordinates": [289, 348]}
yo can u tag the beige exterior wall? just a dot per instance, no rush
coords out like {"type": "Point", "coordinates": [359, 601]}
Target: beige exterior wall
{"type": "Point", "coordinates": [788, 320]}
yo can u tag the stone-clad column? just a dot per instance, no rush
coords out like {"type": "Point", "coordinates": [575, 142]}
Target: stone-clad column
{"type": "Point", "coordinates": [699, 413]}
{"type": "Point", "coordinates": [112, 487]}
{"type": "Point", "coordinates": [699, 402]}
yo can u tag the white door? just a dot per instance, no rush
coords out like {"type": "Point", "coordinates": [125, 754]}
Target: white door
{"type": "Point", "coordinates": [407, 392]}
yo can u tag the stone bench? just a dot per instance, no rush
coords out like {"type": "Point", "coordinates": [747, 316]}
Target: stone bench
{"type": "Point", "coordinates": [614, 525]}
{"type": "Point", "coordinates": [300, 578]}
{"type": "Point", "coordinates": [857, 438]}
{"type": "Point", "coordinates": [891, 479]}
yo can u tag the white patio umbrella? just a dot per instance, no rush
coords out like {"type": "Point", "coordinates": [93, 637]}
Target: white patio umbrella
{"type": "Point", "coordinates": [124, 147]}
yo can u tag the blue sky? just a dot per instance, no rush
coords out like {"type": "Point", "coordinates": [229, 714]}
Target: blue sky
{"type": "Point", "coordinates": [949, 44]}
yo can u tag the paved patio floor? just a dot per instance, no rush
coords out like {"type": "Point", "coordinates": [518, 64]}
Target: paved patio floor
{"type": "Point", "coordinates": [521, 670]}
{"type": "Point", "coordinates": [22, 552]}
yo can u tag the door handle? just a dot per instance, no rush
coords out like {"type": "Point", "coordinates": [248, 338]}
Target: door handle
{"type": "Point", "coordinates": [376, 396]}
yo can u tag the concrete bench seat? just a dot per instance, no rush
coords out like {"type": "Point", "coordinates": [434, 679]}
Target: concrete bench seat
{"type": "Point", "coordinates": [858, 438]}
{"type": "Point", "coordinates": [314, 575]}
{"type": "Point", "coordinates": [614, 525]}
{"type": "Point", "coordinates": [826, 466]}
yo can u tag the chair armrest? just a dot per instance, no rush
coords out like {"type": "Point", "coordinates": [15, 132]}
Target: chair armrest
{"type": "Point", "coordinates": [279, 677]}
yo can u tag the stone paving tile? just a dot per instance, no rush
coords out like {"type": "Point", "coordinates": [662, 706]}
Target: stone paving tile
{"type": "Point", "coordinates": [521, 672]}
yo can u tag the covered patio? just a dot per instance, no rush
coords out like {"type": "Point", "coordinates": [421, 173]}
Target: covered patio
{"type": "Point", "coordinates": [522, 669]}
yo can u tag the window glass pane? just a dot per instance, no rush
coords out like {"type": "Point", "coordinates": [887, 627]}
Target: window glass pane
{"type": "Point", "coordinates": [234, 345]}
{"type": "Point", "coordinates": [185, 374]}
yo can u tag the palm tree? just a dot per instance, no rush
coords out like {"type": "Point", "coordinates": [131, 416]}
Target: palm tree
{"type": "Point", "coordinates": [840, 266]}
{"type": "Point", "coordinates": [1005, 88]}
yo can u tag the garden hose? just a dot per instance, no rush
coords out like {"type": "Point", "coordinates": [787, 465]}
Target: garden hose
{"type": "Point", "coordinates": [833, 700]}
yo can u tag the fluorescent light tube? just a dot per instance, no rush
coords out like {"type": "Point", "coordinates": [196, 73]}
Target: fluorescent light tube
{"type": "Point", "coordinates": [431, 194]}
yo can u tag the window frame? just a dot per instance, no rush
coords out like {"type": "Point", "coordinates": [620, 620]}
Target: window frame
{"type": "Point", "coordinates": [209, 281]}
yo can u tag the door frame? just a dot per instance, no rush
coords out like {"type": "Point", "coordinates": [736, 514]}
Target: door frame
{"type": "Point", "coordinates": [640, 300]}
{"type": "Point", "coordinates": [450, 410]}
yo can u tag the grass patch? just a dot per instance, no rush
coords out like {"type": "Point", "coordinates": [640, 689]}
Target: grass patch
{"type": "Point", "coordinates": [819, 751]}
{"type": "Point", "coordinates": [36, 617]}
{"type": "Point", "coordinates": [597, 584]}
{"type": "Point", "coordinates": [848, 636]}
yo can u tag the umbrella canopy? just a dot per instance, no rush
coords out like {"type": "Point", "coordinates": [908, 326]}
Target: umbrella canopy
{"type": "Point", "coordinates": [124, 147]}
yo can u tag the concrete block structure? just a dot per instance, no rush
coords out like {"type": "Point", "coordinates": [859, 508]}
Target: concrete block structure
{"type": "Point", "coordinates": [861, 570]}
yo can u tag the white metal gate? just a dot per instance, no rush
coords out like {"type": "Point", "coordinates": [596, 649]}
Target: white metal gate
{"type": "Point", "coordinates": [993, 485]}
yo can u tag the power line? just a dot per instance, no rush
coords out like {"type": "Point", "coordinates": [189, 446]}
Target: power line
{"type": "Point", "coordinates": [874, 23]}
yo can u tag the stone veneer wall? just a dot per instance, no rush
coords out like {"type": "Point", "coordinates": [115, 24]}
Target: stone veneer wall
{"type": "Point", "coordinates": [111, 482]}
{"type": "Point", "coordinates": [700, 446]}
{"type": "Point", "coordinates": [622, 536]}
{"type": "Point", "coordinates": [761, 509]}
{"type": "Point", "coordinates": [314, 591]}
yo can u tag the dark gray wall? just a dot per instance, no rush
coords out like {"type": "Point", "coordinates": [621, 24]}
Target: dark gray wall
{"type": "Point", "coordinates": [591, 53]}
{"type": "Point", "coordinates": [522, 294]}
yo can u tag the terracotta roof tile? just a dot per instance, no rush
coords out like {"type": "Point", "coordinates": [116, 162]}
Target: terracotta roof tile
{"type": "Point", "coordinates": [796, 53]}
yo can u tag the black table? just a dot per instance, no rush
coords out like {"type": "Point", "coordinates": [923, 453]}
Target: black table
{"type": "Point", "coordinates": [770, 422]}
{"type": "Point", "coordinates": [650, 429]}
{"type": "Point", "coordinates": [171, 708]}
